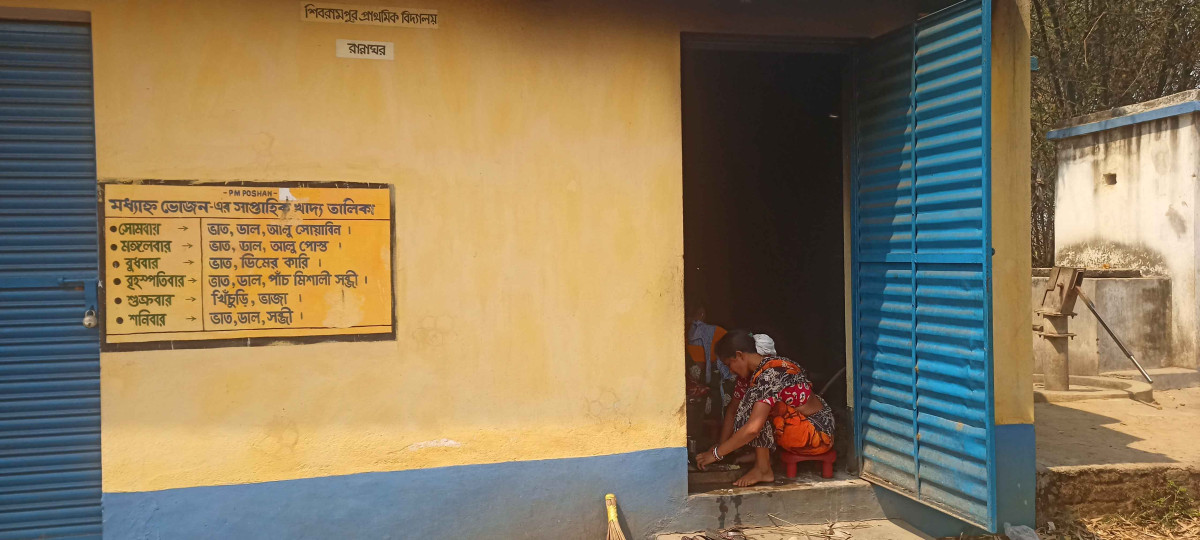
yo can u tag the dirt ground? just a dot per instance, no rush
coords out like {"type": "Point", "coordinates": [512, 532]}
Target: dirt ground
{"type": "Point", "coordinates": [1102, 432]}
{"type": "Point", "coordinates": [1120, 469]}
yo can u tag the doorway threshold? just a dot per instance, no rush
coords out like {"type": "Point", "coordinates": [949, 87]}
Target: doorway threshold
{"type": "Point", "coordinates": [804, 480]}
{"type": "Point", "coordinates": [807, 499]}
{"type": "Point", "coordinates": [857, 530]}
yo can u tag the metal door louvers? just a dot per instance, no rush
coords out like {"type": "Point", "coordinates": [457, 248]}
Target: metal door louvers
{"type": "Point", "coordinates": [49, 363]}
{"type": "Point", "coordinates": [922, 262]}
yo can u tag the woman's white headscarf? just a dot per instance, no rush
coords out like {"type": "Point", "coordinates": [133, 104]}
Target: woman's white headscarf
{"type": "Point", "coordinates": [764, 344]}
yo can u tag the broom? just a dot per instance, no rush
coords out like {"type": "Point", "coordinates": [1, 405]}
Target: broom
{"type": "Point", "coordinates": [614, 528]}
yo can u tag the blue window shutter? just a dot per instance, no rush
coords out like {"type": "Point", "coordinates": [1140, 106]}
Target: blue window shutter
{"type": "Point", "coordinates": [922, 265]}
{"type": "Point", "coordinates": [49, 363]}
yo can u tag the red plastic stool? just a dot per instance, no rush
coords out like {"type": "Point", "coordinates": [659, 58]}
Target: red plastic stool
{"type": "Point", "coordinates": [790, 460]}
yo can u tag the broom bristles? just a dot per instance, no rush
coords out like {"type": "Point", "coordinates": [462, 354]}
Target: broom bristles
{"type": "Point", "coordinates": [614, 528]}
{"type": "Point", "coordinates": [614, 532]}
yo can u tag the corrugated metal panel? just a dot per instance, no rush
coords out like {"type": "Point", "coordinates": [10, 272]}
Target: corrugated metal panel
{"type": "Point", "coordinates": [49, 363]}
{"type": "Point", "coordinates": [883, 337]}
{"type": "Point", "coordinates": [922, 263]}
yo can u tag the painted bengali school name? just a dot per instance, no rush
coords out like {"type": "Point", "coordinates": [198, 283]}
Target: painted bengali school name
{"type": "Point", "coordinates": [370, 15]}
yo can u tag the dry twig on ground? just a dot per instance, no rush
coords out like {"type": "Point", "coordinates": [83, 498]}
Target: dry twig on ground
{"type": "Point", "coordinates": [829, 531]}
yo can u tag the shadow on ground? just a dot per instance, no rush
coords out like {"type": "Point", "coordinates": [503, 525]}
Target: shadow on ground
{"type": "Point", "coordinates": [1067, 436]}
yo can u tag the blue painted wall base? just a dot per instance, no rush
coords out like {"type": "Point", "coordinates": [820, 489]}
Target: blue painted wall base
{"type": "Point", "coordinates": [1016, 474]}
{"type": "Point", "coordinates": [562, 498]}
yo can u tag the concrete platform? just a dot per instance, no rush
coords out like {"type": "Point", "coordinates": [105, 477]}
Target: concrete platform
{"type": "Point", "coordinates": [859, 530]}
{"type": "Point", "coordinates": [1170, 378]}
{"type": "Point", "coordinates": [1084, 387]}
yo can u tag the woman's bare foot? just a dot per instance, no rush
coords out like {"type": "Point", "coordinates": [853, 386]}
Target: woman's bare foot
{"type": "Point", "coordinates": [755, 476]}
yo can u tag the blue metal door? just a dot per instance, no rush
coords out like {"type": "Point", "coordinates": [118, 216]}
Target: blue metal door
{"type": "Point", "coordinates": [49, 362]}
{"type": "Point", "coordinates": [922, 262]}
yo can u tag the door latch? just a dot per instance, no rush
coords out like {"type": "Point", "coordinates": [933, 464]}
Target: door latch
{"type": "Point", "coordinates": [90, 298]}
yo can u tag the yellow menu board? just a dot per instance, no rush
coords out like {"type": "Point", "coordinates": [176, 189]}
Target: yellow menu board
{"type": "Point", "coordinates": [202, 263]}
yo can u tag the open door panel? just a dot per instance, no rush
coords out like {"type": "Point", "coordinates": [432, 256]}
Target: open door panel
{"type": "Point", "coordinates": [922, 262]}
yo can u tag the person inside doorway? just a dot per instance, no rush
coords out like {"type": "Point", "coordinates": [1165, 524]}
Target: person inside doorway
{"type": "Point", "coordinates": [775, 405]}
{"type": "Point", "coordinates": [710, 382]}
{"type": "Point", "coordinates": [706, 374]}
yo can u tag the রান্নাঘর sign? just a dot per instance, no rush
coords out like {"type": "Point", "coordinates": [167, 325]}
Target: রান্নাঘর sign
{"type": "Point", "coordinates": [196, 263]}
{"type": "Point", "coordinates": [370, 50]}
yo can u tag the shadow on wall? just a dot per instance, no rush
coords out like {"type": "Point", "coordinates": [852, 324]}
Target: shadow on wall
{"type": "Point", "coordinates": [1107, 254]}
{"type": "Point", "coordinates": [1071, 437]}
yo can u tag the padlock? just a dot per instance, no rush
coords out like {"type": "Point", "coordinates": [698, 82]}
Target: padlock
{"type": "Point", "coordinates": [89, 319]}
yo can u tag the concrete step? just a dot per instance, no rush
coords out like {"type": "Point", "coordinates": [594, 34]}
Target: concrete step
{"type": "Point", "coordinates": [855, 530]}
{"type": "Point", "coordinates": [807, 500]}
{"type": "Point", "coordinates": [1168, 378]}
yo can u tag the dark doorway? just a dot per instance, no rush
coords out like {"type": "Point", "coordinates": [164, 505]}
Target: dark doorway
{"type": "Point", "coordinates": [763, 218]}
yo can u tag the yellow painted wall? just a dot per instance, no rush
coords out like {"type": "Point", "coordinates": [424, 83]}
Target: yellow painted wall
{"type": "Point", "coordinates": [534, 147]}
{"type": "Point", "coordinates": [1011, 306]}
